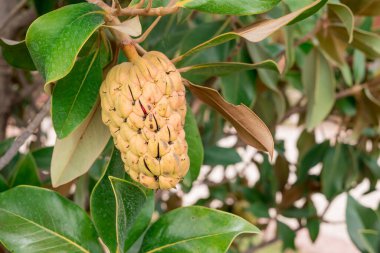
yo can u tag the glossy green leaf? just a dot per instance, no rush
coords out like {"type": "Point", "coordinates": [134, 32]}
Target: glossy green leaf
{"type": "Point", "coordinates": [319, 82]}
{"type": "Point", "coordinates": [239, 88]}
{"type": "Point", "coordinates": [103, 203]}
{"type": "Point", "coordinates": [55, 39]}
{"type": "Point", "coordinates": [43, 157]}
{"type": "Point", "coordinates": [221, 156]}
{"type": "Point", "coordinates": [75, 95]}
{"type": "Point", "coordinates": [226, 68]}
{"type": "Point", "coordinates": [155, 3]}
{"type": "Point", "coordinates": [346, 16]}
{"type": "Point", "coordinates": [311, 158]}
{"type": "Point", "coordinates": [189, 228]}
{"type": "Point", "coordinates": [26, 172]}
{"type": "Point", "coordinates": [195, 147]}
{"type": "Point", "coordinates": [287, 236]}
{"type": "Point", "coordinates": [16, 54]}
{"type": "Point", "coordinates": [74, 155]}
{"type": "Point", "coordinates": [3, 184]}
{"type": "Point", "coordinates": [371, 240]}
{"type": "Point", "coordinates": [44, 6]}
{"type": "Point", "coordinates": [134, 209]}
{"type": "Point", "coordinates": [38, 220]}
{"type": "Point", "coordinates": [226, 7]}
{"type": "Point", "coordinates": [269, 77]}
{"type": "Point", "coordinates": [258, 31]}
{"type": "Point", "coordinates": [339, 166]}
{"type": "Point", "coordinates": [360, 218]}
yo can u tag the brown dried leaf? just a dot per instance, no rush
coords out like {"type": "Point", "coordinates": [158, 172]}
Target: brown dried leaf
{"type": "Point", "coordinates": [251, 129]}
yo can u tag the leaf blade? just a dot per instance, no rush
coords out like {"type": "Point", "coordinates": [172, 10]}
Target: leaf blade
{"type": "Point", "coordinates": [54, 45]}
{"type": "Point", "coordinates": [87, 141]}
{"type": "Point", "coordinates": [75, 95]}
{"type": "Point", "coordinates": [185, 228]}
{"type": "Point", "coordinates": [238, 116]}
{"type": "Point", "coordinates": [32, 223]}
{"type": "Point", "coordinates": [237, 7]}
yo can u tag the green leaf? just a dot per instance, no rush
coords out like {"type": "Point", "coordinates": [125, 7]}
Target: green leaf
{"type": "Point", "coordinates": [226, 7]}
{"type": "Point", "coordinates": [257, 31]}
{"type": "Point", "coordinates": [195, 147]}
{"type": "Point", "coordinates": [359, 66]}
{"type": "Point", "coordinates": [55, 39]}
{"type": "Point", "coordinates": [38, 220]}
{"type": "Point", "coordinates": [195, 228]}
{"type": "Point", "coordinates": [155, 3]}
{"type": "Point", "coordinates": [75, 95]}
{"type": "Point", "coordinates": [134, 209]}
{"type": "Point", "coordinates": [103, 203]}
{"type": "Point", "coordinates": [43, 157]}
{"type": "Point", "coordinates": [360, 218]}
{"type": "Point", "coordinates": [364, 7]}
{"type": "Point", "coordinates": [16, 54]}
{"type": "Point", "coordinates": [287, 236]}
{"type": "Point", "coordinates": [268, 77]}
{"type": "Point", "coordinates": [346, 74]}
{"type": "Point", "coordinates": [226, 68]}
{"type": "Point", "coordinates": [311, 158]}
{"type": "Point", "coordinates": [367, 42]}
{"type": "Point", "coordinates": [3, 184]}
{"type": "Point", "coordinates": [313, 222]}
{"type": "Point", "coordinates": [339, 166]}
{"type": "Point", "coordinates": [346, 16]}
{"type": "Point", "coordinates": [371, 240]}
{"type": "Point", "coordinates": [74, 155]}
{"type": "Point", "coordinates": [319, 82]}
{"type": "Point", "coordinates": [239, 88]}
{"type": "Point", "coordinates": [45, 6]}
{"type": "Point", "coordinates": [26, 172]}
{"type": "Point", "coordinates": [221, 156]}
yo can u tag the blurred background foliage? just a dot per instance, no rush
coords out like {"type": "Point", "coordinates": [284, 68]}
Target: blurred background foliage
{"type": "Point", "coordinates": [328, 95]}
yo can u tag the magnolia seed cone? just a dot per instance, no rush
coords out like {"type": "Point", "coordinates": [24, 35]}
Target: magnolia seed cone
{"type": "Point", "coordinates": [144, 105]}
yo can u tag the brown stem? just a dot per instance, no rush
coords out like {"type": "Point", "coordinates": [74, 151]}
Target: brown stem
{"type": "Point", "coordinates": [131, 52]}
{"type": "Point", "coordinates": [12, 151]}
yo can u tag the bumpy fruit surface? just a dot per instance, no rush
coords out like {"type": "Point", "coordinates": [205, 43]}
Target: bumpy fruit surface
{"type": "Point", "coordinates": [143, 104]}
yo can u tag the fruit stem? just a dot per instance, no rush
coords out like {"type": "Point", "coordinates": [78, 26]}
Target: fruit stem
{"type": "Point", "coordinates": [130, 51]}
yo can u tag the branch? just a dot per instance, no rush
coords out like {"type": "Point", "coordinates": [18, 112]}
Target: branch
{"type": "Point", "coordinates": [8, 156]}
{"type": "Point", "coordinates": [342, 94]}
{"type": "Point", "coordinates": [14, 11]}
{"type": "Point", "coordinates": [159, 11]}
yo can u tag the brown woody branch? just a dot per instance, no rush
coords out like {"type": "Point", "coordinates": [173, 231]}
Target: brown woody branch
{"type": "Point", "coordinates": [12, 151]}
{"type": "Point", "coordinates": [130, 11]}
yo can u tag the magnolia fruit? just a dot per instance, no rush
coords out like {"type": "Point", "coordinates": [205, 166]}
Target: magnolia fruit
{"type": "Point", "coordinates": [143, 104]}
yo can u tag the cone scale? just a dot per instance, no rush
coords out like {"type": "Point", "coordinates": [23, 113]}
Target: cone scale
{"type": "Point", "coordinates": [143, 104]}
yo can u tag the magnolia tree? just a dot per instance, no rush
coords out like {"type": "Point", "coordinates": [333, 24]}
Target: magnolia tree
{"type": "Point", "coordinates": [143, 91]}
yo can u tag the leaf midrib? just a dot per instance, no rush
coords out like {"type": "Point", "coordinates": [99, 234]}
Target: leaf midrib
{"type": "Point", "coordinates": [46, 229]}
{"type": "Point", "coordinates": [195, 238]}
{"type": "Point", "coordinates": [79, 90]}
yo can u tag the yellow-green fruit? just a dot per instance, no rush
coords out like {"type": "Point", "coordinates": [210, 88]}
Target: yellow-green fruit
{"type": "Point", "coordinates": [143, 104]}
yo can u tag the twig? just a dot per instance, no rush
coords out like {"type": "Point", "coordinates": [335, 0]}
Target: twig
{"type": "Point", "coordinates": [148, 31]}
{"type": "Point", "coordinates": [129, 11]}
{"type": "Point", "coordinates": [342, 94]}
{"type": "Point", "coordinates": [12, 151]}
{"type": "Point", "coordinates": [13, 12]}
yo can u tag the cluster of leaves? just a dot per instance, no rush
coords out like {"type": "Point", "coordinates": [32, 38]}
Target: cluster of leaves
{"type": "Point", "coordinates": [327, 61]}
